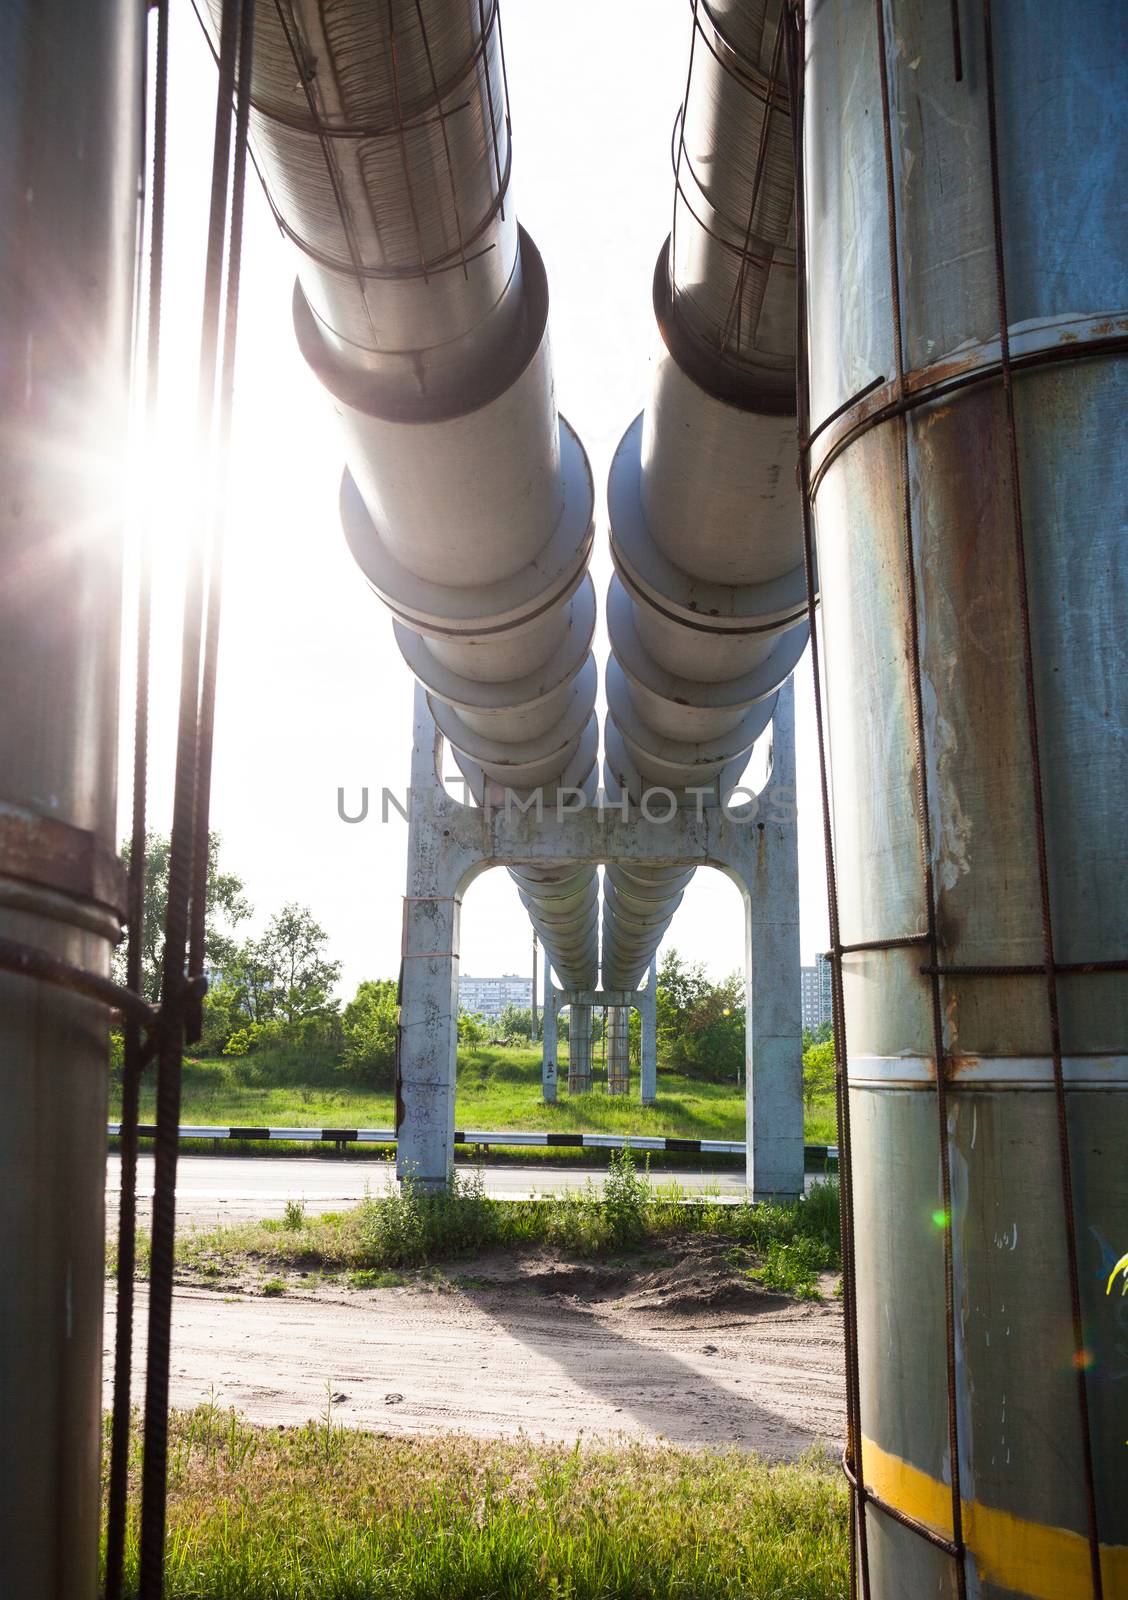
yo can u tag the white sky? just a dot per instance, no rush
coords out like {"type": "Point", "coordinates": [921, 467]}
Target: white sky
{"type": "Point", "coordinates": [313, 693]}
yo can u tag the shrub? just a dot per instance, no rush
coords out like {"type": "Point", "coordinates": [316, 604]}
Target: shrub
{"type": "Point", "coordinates": [369, 1033]}
{"type": "Point", "coordinates": [626, 1198]}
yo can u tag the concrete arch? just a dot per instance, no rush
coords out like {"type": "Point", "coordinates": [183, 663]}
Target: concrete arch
{"type": "Point", "coordinates": [450, 844]}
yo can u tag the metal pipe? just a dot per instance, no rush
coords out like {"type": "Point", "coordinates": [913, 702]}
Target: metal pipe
{"type": "Point", "coordinates": [618, 1050]}
{"type": "Point", "coordinates": [70, 128]}
{"type": "Point", "coordinates": [706, 612]}
{"type": "Point", "coordinates": [968, 312]}
{"type": "Point", "coordinates": [382, 135]}
{"type": "Point", "coordinates": [579, 1049]}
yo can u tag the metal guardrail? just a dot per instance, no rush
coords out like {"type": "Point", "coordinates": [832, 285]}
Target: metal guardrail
{"type": "Point", "coordinates": [480, 1138]}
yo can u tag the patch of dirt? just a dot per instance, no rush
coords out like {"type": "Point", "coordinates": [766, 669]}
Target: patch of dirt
{"type": "Point", "coordinates": [672, 1341]}
{"type": "Point", "coordinates": [680, 1277]}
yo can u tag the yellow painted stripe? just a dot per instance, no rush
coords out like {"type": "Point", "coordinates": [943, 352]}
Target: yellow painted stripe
{"type": "Point", "coordinates": [1033, 1558]}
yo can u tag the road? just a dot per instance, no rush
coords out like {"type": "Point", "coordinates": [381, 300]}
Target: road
{"type": "Point", "coordinates": [213, 1189]}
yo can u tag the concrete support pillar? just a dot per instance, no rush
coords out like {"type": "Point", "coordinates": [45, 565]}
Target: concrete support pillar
{"type": "Point", "coordinates": [548, 1044]}
{"type": "Point", "coordinates": [648, 1055]}
{"type": "Point", "coordinates": [773, 1009]}
{"type": "Point", "coordinates": [618, 1050]}
{"type": "Point", "coordinates": [579, 1049]}
{"type": "Point", "coordinates": [428, 1036]}
{"type": "Point", "coordinates": [448, 844]}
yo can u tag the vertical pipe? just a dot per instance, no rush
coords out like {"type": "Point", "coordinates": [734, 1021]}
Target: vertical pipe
{"type": "Point", "coordinates": [618, 1050]}
{"type": "Point", "coordinates": [968, 383]}
{"type": "Point", "coordinates": [579, 1049]}
{"type": "Point", "coordinates": [70, 129]}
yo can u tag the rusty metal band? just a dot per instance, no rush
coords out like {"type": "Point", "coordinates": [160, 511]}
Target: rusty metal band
{"type": "Point", "coordinates": [883, 399]}
{"type": "Point", "coordinates": [907, 941]}
{"type": "Point", "coordinates": [794, 40]}
{"type": "Point", "coordinates": [137, 1053]}
{"type": "Point", "coordinates": [1038, 798]}
{"type": "Point", "coordinates": [177, 996]}
{"type": "Point", "coordinates": [924, 826]}
{"type": "Point", "coordinates": [913, 1524]}
{"type": "Point", "coordinates": [52, 854]}
{"type": "Point", "coordinates": [1068, 969]}
{"type": "Point", "coordinates": [27, 961]}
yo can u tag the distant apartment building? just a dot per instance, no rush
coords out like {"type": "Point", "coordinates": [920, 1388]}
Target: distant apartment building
{"type": "Point", "coordinates": [816, 993]}
{"type": "Point", "coordinates": [488, 997]}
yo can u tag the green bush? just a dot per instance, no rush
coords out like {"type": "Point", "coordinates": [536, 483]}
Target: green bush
{"type": "Point", "coordinates": [626, 1198]}
{"type": "Point", "coordinates": [369, 1034]}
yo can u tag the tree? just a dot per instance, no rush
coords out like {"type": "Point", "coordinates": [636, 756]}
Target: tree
{"type": "Point", "coordinates": [515, 1022]}
{"type": "Point", "coordinates": [369, 1031]}
{"type": "Point", "coordinates": [225, 907]}
{"type": "Point", "coordinates": [700, 1024]}
{"type": "Point", "coordinates": [287, 973]}
{"type": "Point", "coordinates": [818, 1071]}
{"type": "Point", "coordinates": [472, 1028]}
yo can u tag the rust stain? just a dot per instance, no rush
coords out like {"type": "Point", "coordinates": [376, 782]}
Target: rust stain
{"type": "Point", "coordinates": [56, 855]}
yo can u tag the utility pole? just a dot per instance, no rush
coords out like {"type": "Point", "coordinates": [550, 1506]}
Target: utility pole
{"type": "Point", "coordinates": [533, 1032]}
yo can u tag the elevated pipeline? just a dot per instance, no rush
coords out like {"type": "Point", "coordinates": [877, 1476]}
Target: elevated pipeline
{"type": "Point", "coordinates": [707, 610]}
{"type": "Point", "coordinates": [383, 137]}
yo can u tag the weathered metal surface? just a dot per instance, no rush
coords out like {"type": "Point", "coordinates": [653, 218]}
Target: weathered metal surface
{"type": "Point", "coordinates": [70, 120]}
{"type": "Point", "coordinates": [943, 580]}
{"type": "Point", "coordinates": [53, 854]}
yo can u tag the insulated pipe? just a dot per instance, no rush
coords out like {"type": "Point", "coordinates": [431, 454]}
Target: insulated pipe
{"type": "Point", "coordinates": [973, 543]}
{"type": "Point", "coordinates": [618, 1049]}
{"type": "Point", "coordinates": [382, 134]}
{"type": "Point", "coordinates": [579, 1049]}
{"type": "Point", "coordinates": [70, 130]}
{"type": "Point", "coordinates": [706, 613]}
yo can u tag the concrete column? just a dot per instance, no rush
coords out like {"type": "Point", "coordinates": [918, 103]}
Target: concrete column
{"type": "Point", "coordinates": [548, 1044]}
{"type": "Point", "coordinates": [774, 1042]}
{"type": "Point", "coordinates": [579, 1049]}
{"type": "Point", "coordinates": [648, 1013]}
{"type": "Point", "coordinates": [618, 1050]}
{"type": "Point", "coordinates": [428, 1038]}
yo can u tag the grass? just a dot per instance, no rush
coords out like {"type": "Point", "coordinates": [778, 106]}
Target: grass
{"type": "Point", "coordinates": [784, 1247]}
{"type": "Point", "coordinates": [498, 1087]}
{"type": "Point", "coordinates": [327, 1512]}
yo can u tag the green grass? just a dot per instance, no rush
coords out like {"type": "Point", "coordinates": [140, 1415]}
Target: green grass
{"type": "Point", "coordinates": [498, 1088]}
{"type": "Point", "coordinates": [784, 1247]}
{"type": "Point", "coordinates": [323, 1513]}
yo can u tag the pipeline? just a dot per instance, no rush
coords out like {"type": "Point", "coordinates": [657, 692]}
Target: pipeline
{"type": "Point", "coordinates": [968, 381]}
{"type": "Point", "coordinates": [706, 612]}
{"type": "Point", "coordinates": [382, 135]}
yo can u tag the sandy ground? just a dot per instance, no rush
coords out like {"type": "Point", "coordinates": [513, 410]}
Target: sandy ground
{"type": "Point", "coordinates": [662, 1348]}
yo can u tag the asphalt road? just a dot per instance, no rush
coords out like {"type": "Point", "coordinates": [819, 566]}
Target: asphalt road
{"type": "Point", "coordinates": [213, 1189]}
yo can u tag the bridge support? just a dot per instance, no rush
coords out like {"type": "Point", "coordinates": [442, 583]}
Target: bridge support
{"type": "Point", "coordinates": [449, 844]}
